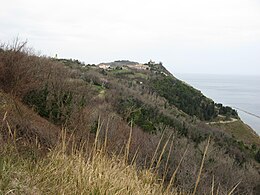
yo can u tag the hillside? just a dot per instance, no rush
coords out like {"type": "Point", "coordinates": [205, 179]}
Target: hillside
{"type": "Point", "coordinates": [168, 122]}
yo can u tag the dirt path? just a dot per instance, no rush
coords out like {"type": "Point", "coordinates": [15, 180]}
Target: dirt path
{"type": "Point", "coordinates": [222, 122]}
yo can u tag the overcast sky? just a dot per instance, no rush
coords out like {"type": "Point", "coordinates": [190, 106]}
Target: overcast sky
{"type": "Point", "coordinates": [188, 36]}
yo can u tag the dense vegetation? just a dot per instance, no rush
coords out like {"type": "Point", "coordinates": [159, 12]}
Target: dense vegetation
{"type": "Point", "coordinates": [39, 96]}
{"type": "Point", "coordinates": [184, 97]}
{"type": "Point", "coordinates": [145, 116]}
{"type": "Point", "coordinates": [188, 99]}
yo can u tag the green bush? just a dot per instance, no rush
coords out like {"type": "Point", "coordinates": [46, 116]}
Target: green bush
{"type": "Point", "coordinates": [257, 156]}
{"type": "Point", "coordinates": [38, 100]}
{"type": "Point", "coordinates": [56, 106]}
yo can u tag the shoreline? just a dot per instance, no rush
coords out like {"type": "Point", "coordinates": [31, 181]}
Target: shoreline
{"type": "Point", "coordinates": [250, 113]}
{"type": "Point", "coordinates": [230, 91]}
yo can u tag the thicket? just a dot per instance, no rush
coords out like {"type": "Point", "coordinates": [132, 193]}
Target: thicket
{"type": "Point", "coordinates": [188, 99]}
{"type": "Point", "coordinates": [57, 107]}
{"type": "Point", "coordinates": [226, 111]}
{"type": "Point", "coordinates": [19, 69]}
{"type": "Point", "coordinates": [149, 118]}
{"type": "Point", "coordinates": [152, 120]}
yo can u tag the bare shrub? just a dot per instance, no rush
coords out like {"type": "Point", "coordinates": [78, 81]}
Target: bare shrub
{"type": "Point", "coordinates": [19, 68]}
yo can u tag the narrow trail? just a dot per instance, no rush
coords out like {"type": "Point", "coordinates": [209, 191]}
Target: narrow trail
{"type": "Point", "coordinates": [233, 119]}
{"type": "Point", "coordinates": [223, 122]}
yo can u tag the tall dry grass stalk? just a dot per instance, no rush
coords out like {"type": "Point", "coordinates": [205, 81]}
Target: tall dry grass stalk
{"type": "Point", "coordinates": [162, 153]}
{"type": "Point", "coordinates": [212, 186]}
{"type": "Point", "coordinates": [170, 184]}
{"type": "Point", "coordinates": [127, 148]}
{"type": "Point", "coordinates": [234, 188]}
{"type": "Point", "coordinates": [201, 167]}
{"type": "Point", "coordinates": [156, 151]}
{"type": "Point", "coordinates": [167, 161]}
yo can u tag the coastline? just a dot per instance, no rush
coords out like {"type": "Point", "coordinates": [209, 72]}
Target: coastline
{"type": "Point", "coordinates": [239, 92]}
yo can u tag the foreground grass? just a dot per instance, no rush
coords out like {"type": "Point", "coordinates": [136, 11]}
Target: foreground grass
{"type": "Point", "coordinates": [75, 173]}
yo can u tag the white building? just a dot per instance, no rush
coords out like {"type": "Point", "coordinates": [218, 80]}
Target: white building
{"type": "Point", "coordinates": [104, 66]}
{"type": "Point", "coordinates": [139, 67]}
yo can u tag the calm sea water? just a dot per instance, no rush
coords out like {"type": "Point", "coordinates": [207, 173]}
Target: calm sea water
{"type": "Point", "coordinates": [242, 92]}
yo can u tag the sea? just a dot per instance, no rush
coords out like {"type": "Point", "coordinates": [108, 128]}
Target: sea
{"type": "Point", "coordinates": [241, 92]}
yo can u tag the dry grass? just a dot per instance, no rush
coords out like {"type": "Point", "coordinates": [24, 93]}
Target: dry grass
{"type": "Point", "coordinates": [99, 174]}
{"type": "Point", "coordinates": [66, 170]}
{"type": "Point", "coordinates": [75, 172]}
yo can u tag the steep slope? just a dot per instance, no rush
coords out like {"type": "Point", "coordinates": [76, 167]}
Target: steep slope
{"type": "Point", "coordinates": [23, 124]}
{"type": "Point", "coordinates": [88, 101]}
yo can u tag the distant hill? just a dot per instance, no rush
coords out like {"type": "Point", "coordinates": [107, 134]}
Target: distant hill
{"type": "Point", "coordinates": [119, 63]}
